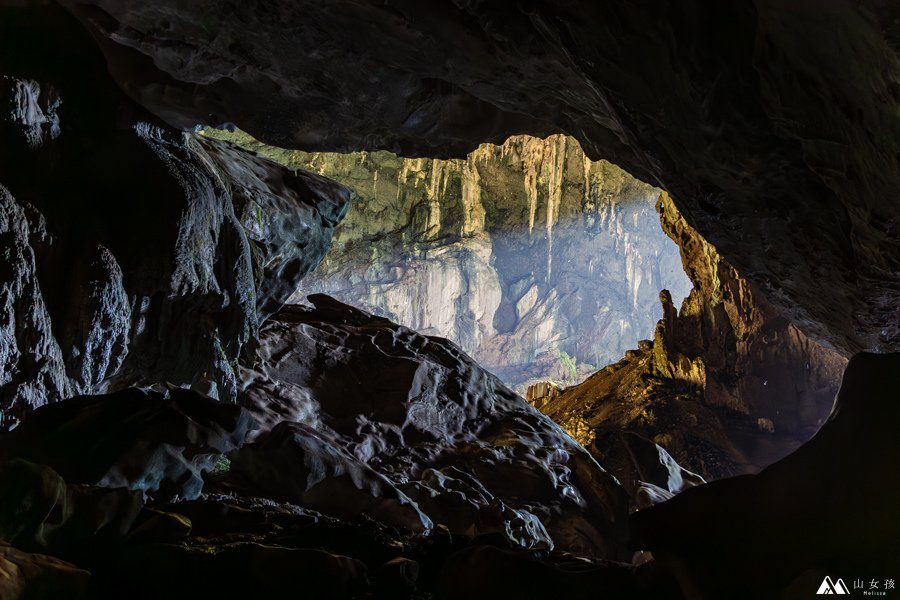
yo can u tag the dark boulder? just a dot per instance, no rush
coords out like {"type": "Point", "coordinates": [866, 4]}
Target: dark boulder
{"type": "Point", "coordinates": [159, 444]}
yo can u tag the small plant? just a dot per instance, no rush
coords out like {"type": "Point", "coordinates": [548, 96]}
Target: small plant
{"type": "Point", "coordinates": [222, 465]}
{"type": "Point", "coordinates": [568, 363]}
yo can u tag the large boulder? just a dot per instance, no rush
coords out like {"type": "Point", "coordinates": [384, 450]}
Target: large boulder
{"type": "Point", "coordinates": [155, 443]}
{"type": "Point", "coordinates": [24, 575]}
{"type": "Point", "coordinates": [401, 416]}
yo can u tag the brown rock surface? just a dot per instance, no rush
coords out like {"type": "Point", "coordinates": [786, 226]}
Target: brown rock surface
{"type": "Point", "coordinates": [828, 508]}
{"type": "Point", "coordinates": [24, 576]}
{"type": "Point", "coordinates": [727, 385]}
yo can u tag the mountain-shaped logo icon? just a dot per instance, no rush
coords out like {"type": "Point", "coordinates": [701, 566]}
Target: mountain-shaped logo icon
{"type": "Point", "coordinates": [829, 587]}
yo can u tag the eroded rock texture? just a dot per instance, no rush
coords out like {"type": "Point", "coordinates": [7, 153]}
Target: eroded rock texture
{"type": "Point", "coordinates": [409, 429]}
{"type": "Point", "coordinates": [537, 261]}
{"type": "Point", "coordinates": [31, 360]}
{"type": "Point", "coordinates": [773, 125]}
{"type": "Point", "coordinates": [24, 575]}
{"type": "Point", "coordinates": [824, 523]}
{"type": "Point", "coordinates": [155, 443]}
{"type": "Point", "coordinates": [727, 385]}
{"type": "Point", "coordinates": [134, 253]}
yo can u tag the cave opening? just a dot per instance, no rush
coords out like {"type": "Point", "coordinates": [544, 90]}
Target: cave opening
{"type": "Point", "coordinates": [540, 263]}
{"type": "Point", "coordinates": [464, 249]}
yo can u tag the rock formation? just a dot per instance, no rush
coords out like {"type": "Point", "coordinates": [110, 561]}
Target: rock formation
{"type": "Point", "coordinates": [366, 431]}
{"type": "Point", "coordinates": [537, 261]}
{"type": "Point", "coordinates": [837, 516]}
{"type": "Point", "coordinates": [136, 252]}
{"type": "Point", "coordinates": [407, 428]}
{"type": "Point", "coordinates": [773, 125]}
{"type": "Point", "coordinates": [727, 385]}
{"type": "Point", "coordinates": [161, 263]}
{"type": "Point", "coordinates": [158, 444]}
{"type": "Point", "coordinates": [37, 575]}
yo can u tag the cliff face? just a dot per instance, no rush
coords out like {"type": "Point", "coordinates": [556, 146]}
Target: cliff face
{"type": "Point", "coordinates": [727, 385]}
{"type": "Point", "coordinates": [536, 260]}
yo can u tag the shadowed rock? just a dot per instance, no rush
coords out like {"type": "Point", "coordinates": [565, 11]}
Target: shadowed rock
{"type": "Point", "coordinates": [265, 571]}
{"type": "Point", "coordinates": [138, 253]}
{"type": "Point", "coordinates": [295, 463]}
{"type": "Point", "coordinates": [156, 443]}
{"type": "Point", "coordinates": [831, 505]}
{"type": "Point", "coordinates": [39, 512]}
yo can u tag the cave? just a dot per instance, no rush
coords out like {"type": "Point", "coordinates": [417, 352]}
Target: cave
{"type": "Point", "coordinates": [360, 299]}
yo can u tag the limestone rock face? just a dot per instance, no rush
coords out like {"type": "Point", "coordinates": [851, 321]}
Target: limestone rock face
{"type": "Point", "coordinates": [727, 385]}
{"type": "Point", "coordinates": [779, 147]}
{"type": "Point", "coordinates": [401, 425]}
{"type": "Point", "coordinates": [134, 253]}
{"type": "Point", "coordinates": [537, 261]}
{"type": "Point", "coordinates": [730, 340]}
{"type": "Point", "coordinates": [32, 363]}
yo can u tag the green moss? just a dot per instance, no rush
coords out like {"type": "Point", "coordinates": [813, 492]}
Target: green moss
{"type": "Point", "coordinates": [222, 465]}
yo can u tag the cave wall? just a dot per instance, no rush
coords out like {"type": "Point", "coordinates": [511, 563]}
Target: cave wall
{"type": "Point", "coordinates": [774, 126]}
{"type": "Point", "coordinates": [727, 385]}
{"type": "Point", "coordinates": [134, 253]}
{"type": "Point", "coordinates": [528, 254]}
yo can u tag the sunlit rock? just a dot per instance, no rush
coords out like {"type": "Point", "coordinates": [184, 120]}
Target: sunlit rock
{"type": "Point", "coordinates": [726, 386]}
{"type": "Point", "coordinates": [537, 261]}
{"type": "Point", "coordinates": [389, 414]}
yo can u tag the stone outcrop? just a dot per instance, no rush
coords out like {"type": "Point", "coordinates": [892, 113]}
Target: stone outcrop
{"type": "Point", "coordinates": [33, 367]}
{"type": "Point", "coordinates": [537, 261]}
{"type": "Point", "coordinates": [841, 511]}
{"type": "Point", "coordinates": [779, 147]}
{"type": "Point", "coordinates": [155, 443]}
{"type": "Point", "coordinates": [727, 385]}
{"type": "Point", "coordinates": [135, 253]}
{"type": "Point", "coordinates": [396, 424]}
{"type": "Point", "coordinates": [24, 575]}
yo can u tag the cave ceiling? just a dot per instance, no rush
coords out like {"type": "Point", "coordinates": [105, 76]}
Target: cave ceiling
{"type": "Point", "coordinates": [773, 125]}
